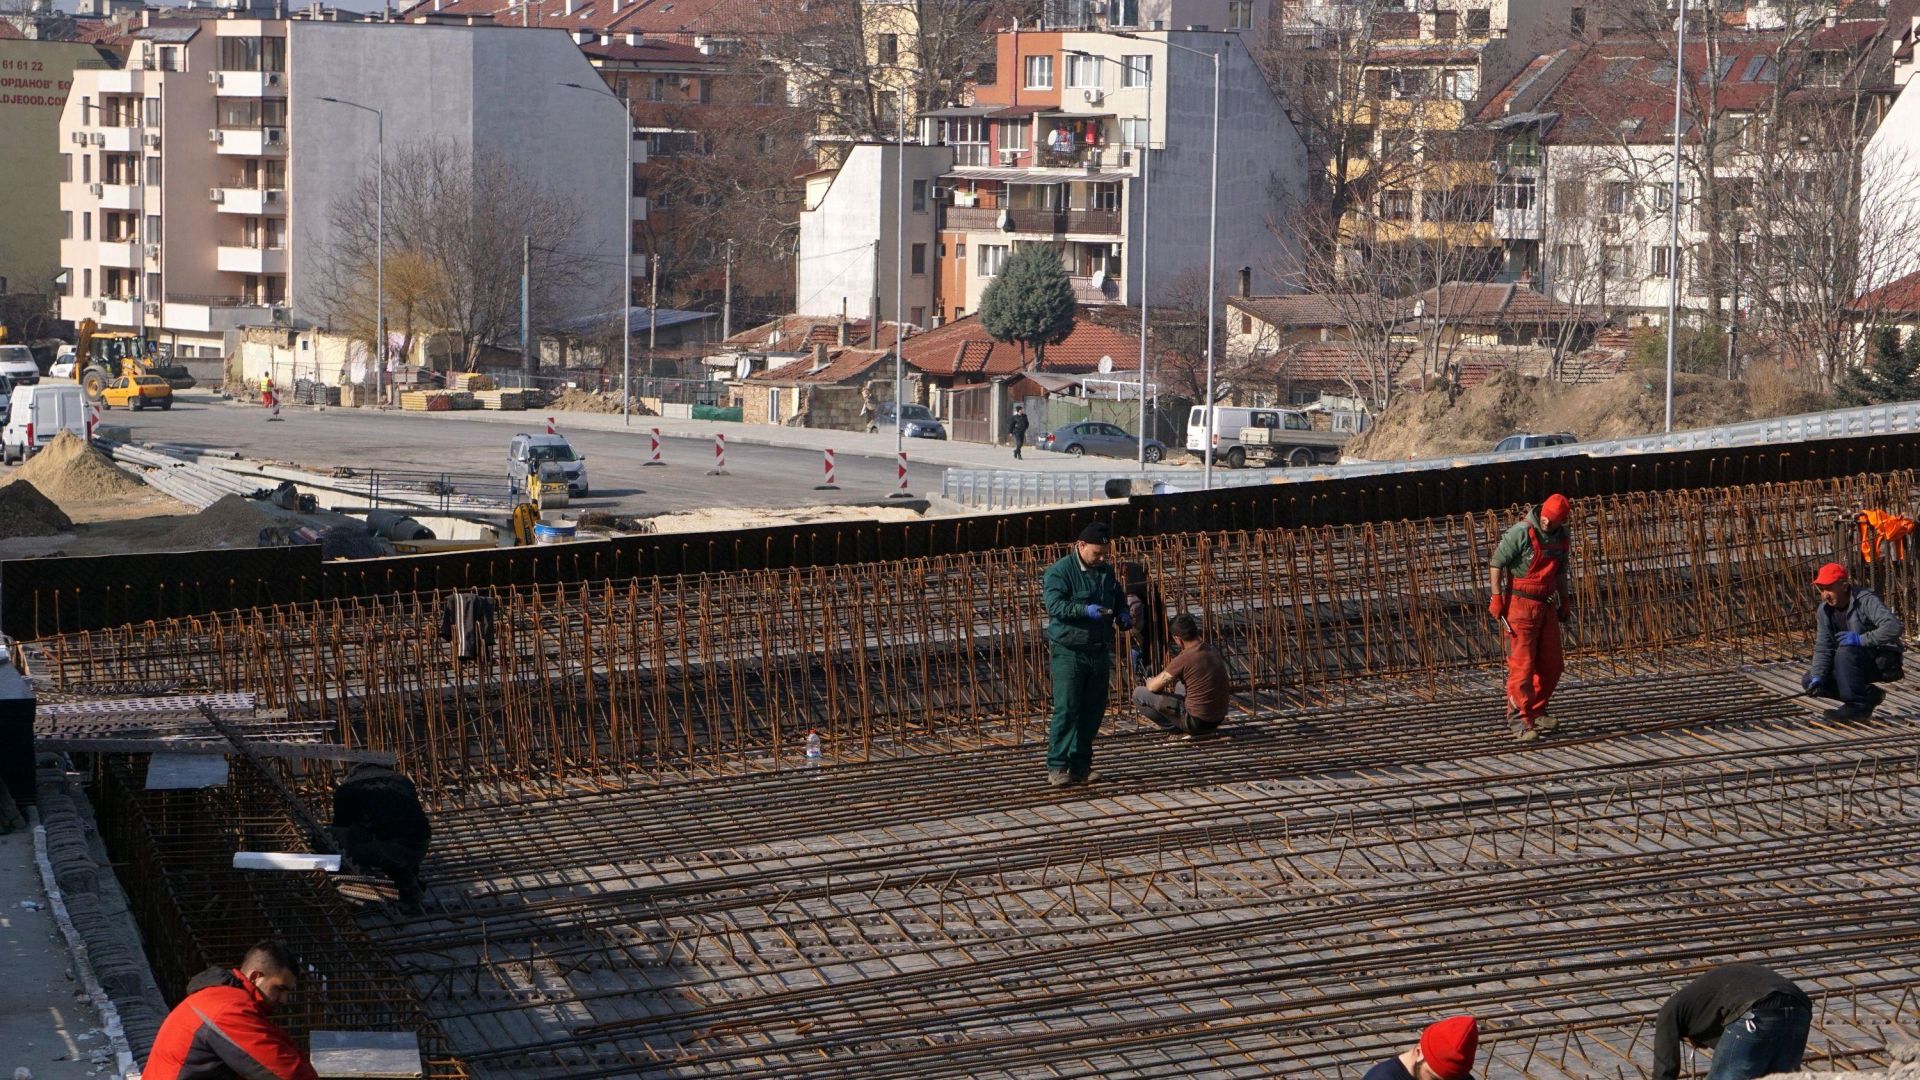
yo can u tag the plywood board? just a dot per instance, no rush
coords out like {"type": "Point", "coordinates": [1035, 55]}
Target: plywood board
{"type": "Point", "coordinates": [186, 772]}
{"type": "Point", "coordinates": [366, 1053]}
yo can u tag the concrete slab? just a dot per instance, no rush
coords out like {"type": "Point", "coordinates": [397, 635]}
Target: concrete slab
{"type": "Point", "coordinates": [186, 772]}
{"type": "Point", "coordinates": [341, 1054]}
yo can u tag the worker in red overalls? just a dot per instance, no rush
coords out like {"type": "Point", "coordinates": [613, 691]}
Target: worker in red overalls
{"type": "Point", "coordinates": [1529, 580]}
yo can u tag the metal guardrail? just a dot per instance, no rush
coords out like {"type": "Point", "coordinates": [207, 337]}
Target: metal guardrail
{"type": "Point", "coordinates": [1005, 489]}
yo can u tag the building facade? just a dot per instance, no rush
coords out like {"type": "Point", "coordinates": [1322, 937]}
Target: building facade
{"type": "Point", "coordinates": [35, 76]}
{"type": "Point", "coordinates": [199, 180]}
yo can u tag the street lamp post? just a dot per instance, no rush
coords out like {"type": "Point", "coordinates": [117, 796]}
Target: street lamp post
{"type": "Point", "coordinates": [1213, 242]}
{"type": "Point", "coordinates": [1673, 238]}
{"type": "Point", "coordinates": [380, 239]}
{"type": "Point", "coordinates": [626, 246]}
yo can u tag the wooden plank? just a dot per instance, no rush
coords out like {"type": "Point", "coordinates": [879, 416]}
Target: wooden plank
{"type": "Point", "coordinates": [305, 751]}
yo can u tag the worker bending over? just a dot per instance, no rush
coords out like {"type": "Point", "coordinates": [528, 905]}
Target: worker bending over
{"type": "Point", "coordinates": [1445, 1053]}
{"type": "Point", "coordinates": [378, 822]}
{"type": "Point", "coordinates": [1753, 1020]}
{"type": "Point", "coordinates": [221, 1029]}
{"type": "Point", "coordinates": [1529, 581]}
{"type": "Point", "coordinates": [1200, 674]}
{"type": "Point", "coordinates": [1083, 604]}
{"type": "Point", "coordinates": [1856, 643]}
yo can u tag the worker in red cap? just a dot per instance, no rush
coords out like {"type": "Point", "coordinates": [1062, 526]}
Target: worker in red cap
{"type": "Point", "coordinates": [1445, 1053]}
{"type": "Point", "coordinates": [1529, 582]}
{"type": "Point", "coordinates": [1856, 643]}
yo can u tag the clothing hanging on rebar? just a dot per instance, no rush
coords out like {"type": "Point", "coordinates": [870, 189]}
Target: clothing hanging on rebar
{"type": "Point", "coordinates": [466, 619]}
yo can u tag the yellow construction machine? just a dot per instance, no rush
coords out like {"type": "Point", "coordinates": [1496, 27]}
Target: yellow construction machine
{"type": "Point", "coordinates": [103, 356]}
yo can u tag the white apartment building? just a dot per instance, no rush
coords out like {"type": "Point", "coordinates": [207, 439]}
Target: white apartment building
{"type": "Point", "coordinates": [197, 181]}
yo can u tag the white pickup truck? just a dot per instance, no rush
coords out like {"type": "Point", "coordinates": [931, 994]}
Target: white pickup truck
{"type": "Point", "coordinates": [1294, 442]}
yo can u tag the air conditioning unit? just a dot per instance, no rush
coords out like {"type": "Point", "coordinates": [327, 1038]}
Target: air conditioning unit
{"type": "Point", "coordinates": [273, 78]}
{"type": "Point", "coordinates": [99, 138]}
{"type": "Point", "coordinates": [213, 78]}
{"type": "Point", "coordinates": [96, 190]}
{"type": "Point", "coordinates": [213, 136]}
{"type": "Point", "coordinates": [277, 314]}
{"type": "Point", "coordinates": [1093, 95]}
{"type": "Point", "coordinates": [99, 307]}
{"type": "Point", "coordinates": [274, 135]}
{"type": "Point", "coordinates": [218, 195]}
{"type": "Point", "coordinates": [152, 141]}
{"type": "Point", "coordinates": [153, 252]}
{"type": "Point", "coordinates": [153, 311]}
{"type": "Point", "coordinates": [272, 196]}
{"type": "Point", "coordinates": [80, 138]}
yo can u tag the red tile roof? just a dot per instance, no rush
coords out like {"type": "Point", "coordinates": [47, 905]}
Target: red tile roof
{"type": "Point", "coordinates": [963, 347]}
{"type": "Point", "coordinates": [1496, 303]}
{"type": "Point", "coordinates": [1422, 54]}
{"type": "Point", "coordinates": [1335, 362]}
{"type": "Point", "coordinates": [1901, 296]}
{"type": "Point", "coordinates": [799, 333]}
{"type": "Point", "coordinates": [842, 365]}
{"type": "Point", "coordinates": [650, 52]}
{"type": "Point", "coordinates": [679, 19]}
{"type": "Point", "coordinates": [1311, 310]}
{"type": "Point", "coordinates": [1502, 100]}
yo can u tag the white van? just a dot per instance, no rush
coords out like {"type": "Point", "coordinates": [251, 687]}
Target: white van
{"type": "Point", "coordinates": [36, 414]}
{"type": "Point", "coordinates": [17, 366]}
{"type": "Point", "coordinates": [1227, 422]}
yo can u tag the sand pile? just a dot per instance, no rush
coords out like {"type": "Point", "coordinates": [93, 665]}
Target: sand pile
{"type": "Point", "coordinates": [69, 470]}
{"type": "Point", "coordinates": [26, 512]}
{"type": "Point", "coordinates": [1905, 1066]}
{"type": "Point", "coordinates": [573, 399]}
{"type": "Point", "coordinates": [234, 521]}
{"type": "Point", "coordinates": [1422, 425]}
{"type": "Point", "coordinates": [727, 518]}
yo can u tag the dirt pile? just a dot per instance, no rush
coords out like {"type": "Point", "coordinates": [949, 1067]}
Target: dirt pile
{"type": "Point", "coordinates": [1423, 425]}
{"type": "Point", "coordinates": [233, 522]}
{"type": "Point", "coordinates": [26, 512]}
{"type": "Point", "coordinates": [69, 470]}
{"type": "Point", "coordinates": [573, 399]}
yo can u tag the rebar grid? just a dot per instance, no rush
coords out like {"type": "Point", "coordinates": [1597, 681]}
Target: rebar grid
{"type": "Point", "coordinates": [587, 684]}
{"type": "Point", "coordinates": [1295, 900]}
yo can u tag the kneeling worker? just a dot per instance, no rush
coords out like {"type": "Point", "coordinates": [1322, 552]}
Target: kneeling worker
{"type": "Point", "coordinates": [380, 826]}
{"type": "Point", "coordinates": [1445, 1053]}
{"type": "Point", "coordinates": [1856, 643]}
{"type": "Point", "coordinates": [1201, 675]}
{"type": "Point", "coordinates": [1529, 580]}
{"type": "Point", "coordinates": [222, 1029]}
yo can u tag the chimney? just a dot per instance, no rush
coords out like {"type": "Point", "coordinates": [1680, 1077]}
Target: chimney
{"type": "Point", "coordinates": [820, 354]}
{"type": "Point", "coordinates": [568, 10]}
{"type": "Point", "coordinates": [616, 7]}
{"type": "Point", "coordinates": [843, 328]}
{"type": "Point", "coordinates": [873, 321]}
{"type": "Point", "coordinates": [606, 39]}
{"type": "Point", "coordinates": [582, 37]}
{"type": "Point", "coordinates": [1246, 281]}
{"type": "Point", "coordinates": [634, 38]}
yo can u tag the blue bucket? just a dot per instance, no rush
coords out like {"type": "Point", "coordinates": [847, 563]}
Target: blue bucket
{"type": "Point", "coordinates": [552, 534]}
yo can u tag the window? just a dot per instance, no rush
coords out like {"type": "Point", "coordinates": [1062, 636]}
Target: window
{"type": "Point", "coordinates": [1460, 85]}
{"type": "Point", "coordinates": [1515, 193]}
{"type": "Point", "coordinates": [919, 196]}
{"type": "Point", "coordinates": [66, 224]}
{"type": "Point", "coordinates": [66, 166]}
{"type": "Point", "coordinates": [1409, 82]}
{"type": "Point", "coordinates": [86, 168]}
{"type": "Point", "coordinates": [1479, 22]}
{"type": "Point", "coordinates": [1446, 25]}
{"type": "Point", "coordinates": [1133, 131]}
{"type": "Point", "coordinates": [769, 142]}
{"type": "Point", "coordinates": [1240, 14]}
{"type": "Point", "coordinates": [1039, 72]}
{"type": "Point", "coordinates": [768, 91]}
{"type": "Point", "coordinates": [86, 282]}
{"type": "Point", "coordinates": [1083, 72]}
{"type": "Point", "coordinates": [153, 171]}
{"type": "Point", "coordinates": [959, 254]}
{"type": "Point", "coordinates": [86, 225]}
{"type": "Point", "coordinates": [1105, 197]}
{"type": "Point", "coordinates": [1619, 261]}
{"type": "Point", "coordinates": [1657, 263]}
{"type": "Point", "coordinates": [1012, 134]}
{"type": "Point", "coordinates": [1136, 71]}
{"type": "Point", "coordinates": [1121, 13]}
{"type": "Point", "coordinates": [919, 259]}
{"type": "Point", "coordinates": [889, 48]}
{"type": "Point", "coordinates": [153, 228]}
{"type": "Point", "coordinates": [992, 258]}
{"type": "Point", "coordinates": [917, 316]}
{"type": "Point", "coordinates": [1569, 196]}
{"type": "Point", "coordinates": [1577, 22]}
{"type": "Point", "coordinates": [1396, 205]}
{"type": "Point", "coordinates": [657, 89]}
{"type": "Point", "coordinates": [1616, 196]}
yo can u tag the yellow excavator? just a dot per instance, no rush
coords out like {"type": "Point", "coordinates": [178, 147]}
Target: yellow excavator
{"type": "Point", "coordinates": [103, 356]}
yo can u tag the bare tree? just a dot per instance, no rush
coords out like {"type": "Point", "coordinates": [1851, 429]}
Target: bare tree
{"type": "Point", "coordinates": [455, 228]}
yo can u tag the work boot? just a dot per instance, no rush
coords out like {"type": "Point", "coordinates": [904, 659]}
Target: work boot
{"type": "Point", "coordinates": [1059, 778]}
{"type": "Point", "coordinates": [1087, 776]}
{"type": "Point", "coordinates": [1524, 731]}
{"type": "Point", "coordinates": [1545, 723]}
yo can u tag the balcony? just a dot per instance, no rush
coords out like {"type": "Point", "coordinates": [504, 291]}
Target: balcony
{"type": "Point", "coordinates": [640, 208]}
{"type": "Point", "coordinates": [1511, 224]}
{"type": "Point", "coordinates": [250, 260]}
{"type": "Point", "coordinates": [248, 200]}
{"type": "Point", "coordinates": [122, 254]}
{"type": "Point", "coordinates": [1086, 292]}
{"type": "Point", "coordinates": [112, 311]}
{"type": "Point", "coordinates": [1036, 222]}
{"type": "Point", "coordinates": [250, 141]}
{"type": "Point", "coordinates": [121, 81]}
{"type": "Point", "coordinates": [249, 83]}
{"type": "Point", "coordinates": [213, 314]}
{"type": "Point", "coordinates": [118, 140]}
{"type": "Point", "coordinates": [119, 197]}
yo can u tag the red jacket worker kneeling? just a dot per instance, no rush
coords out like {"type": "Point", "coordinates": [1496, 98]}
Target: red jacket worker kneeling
{"type": "Point", "coordinates": [222, 1028]}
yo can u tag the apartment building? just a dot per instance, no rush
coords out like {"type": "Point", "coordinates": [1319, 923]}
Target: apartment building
{"type": "Point", "coordinates": [34, 77]}
{"type": "Point", "coordinates": [198, 180]}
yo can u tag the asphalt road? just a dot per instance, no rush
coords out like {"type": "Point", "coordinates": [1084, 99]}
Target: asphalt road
{"type": "Point", "coordinates": [620, 481]}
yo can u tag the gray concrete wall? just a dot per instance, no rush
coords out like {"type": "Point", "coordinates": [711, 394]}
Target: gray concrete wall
{"type": "Point", "coordinates": [496, 91]}
{"type": "Point", "coordinates": [1263, 176]}
{"type": "Point", "coordinates": [836, 256]}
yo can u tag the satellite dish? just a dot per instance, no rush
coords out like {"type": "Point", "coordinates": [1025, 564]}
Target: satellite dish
{"type": "Point", "coordinates": [1106, 365]}
{"type": "Point", "coordinates": [1005, 221]}
{"type": "Point", "coordinates": [1099, 278]}
{"type": "Point", "coordinates": [743, 367]}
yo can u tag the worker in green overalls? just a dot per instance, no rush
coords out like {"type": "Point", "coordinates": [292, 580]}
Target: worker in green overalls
{"type": "Point", "coordinates": [1084, 603]}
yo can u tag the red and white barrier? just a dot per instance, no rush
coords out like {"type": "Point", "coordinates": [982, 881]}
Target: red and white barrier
{"type": "Point", "coordinates": [273, 409]}
{"type": "Point", "coordinates": [93, 419]}
{"type": "Point", "coordinates": [655, 459]}
{"type": "Point", "coordinates": [719, 456]}
{"type": "Point", "coordinates": [827, 466]}
{"type": "Point", "coordinates": [901, 492]}
{"type": "Point", "coordinates": [550, 428]}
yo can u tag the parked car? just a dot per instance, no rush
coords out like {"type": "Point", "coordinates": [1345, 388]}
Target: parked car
{"type": "Point", "coordinates": [138, 392]}
{"type": "Point", "coordinates": [526, 453]}
{"type": "Point", "coordinates": [63, 365]}
{"type": "Point", "coordinates": [917, 421]}
{"type": "Point", "coordinates": [1102, 439]}
{"type": "Point", "coordinates": [18, 366]}
{"type": "Point", "coordinates": [36, 414]}
{"type": "Point", "coordinates": [1534, 442]}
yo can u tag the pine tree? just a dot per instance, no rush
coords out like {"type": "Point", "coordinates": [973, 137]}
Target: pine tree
{"type": "Point", "coordinates": [1892, 373]}
{"type": "Point", "coordinates": [1031, 302]}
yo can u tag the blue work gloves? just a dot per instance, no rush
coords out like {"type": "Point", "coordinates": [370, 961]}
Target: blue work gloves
{"type": "Point", "coordinates": [1096, 612]}
{"type": "Point", "coordinates": [1123, 620]}
{"type": "Point", "coordinates": [1139, 661]}
{"type": "Point", "coordinates": [1849, 638]}
{"type": "Point", "coordinates": [1812, 684]}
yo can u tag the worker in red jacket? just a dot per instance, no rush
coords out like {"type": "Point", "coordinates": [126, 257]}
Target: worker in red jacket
{"type": "Point", "coordinates": [222, 1028]}
{"type": "Point", "coordinates": [1528, 574]}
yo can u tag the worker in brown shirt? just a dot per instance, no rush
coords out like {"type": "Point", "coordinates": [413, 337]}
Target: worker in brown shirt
{"type": "Point", "coordinates": [1201, 676]}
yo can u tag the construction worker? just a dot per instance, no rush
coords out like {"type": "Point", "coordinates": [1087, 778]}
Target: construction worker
{"type": "Point", "coordinates": [1201, 675]}
{"type": "Point", "coordinates": [1856, 643]}
{"type": "Point", "coordinates": [1445, 1053]}
{"type": "Point", "coordinates": [1528, 576]}
{"type": "Point", "coordinates": [1753, 1020]}
{"type": "Point", "coordinates": [221, 1029]}
{"type": "Point", "coordinates": [1147, 614]}
{"type": "Point", "coordinates": [1017, 428]}
{"type": "Point", "coordinates": [380, 826]}
{"type": "Point", "coordinates": [1083, 605]}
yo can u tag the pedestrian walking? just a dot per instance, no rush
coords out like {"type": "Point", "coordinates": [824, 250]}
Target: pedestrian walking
{"type": "Point", "coordinates": [1445, 1052]}
{"type": "Point", "coordinates": [1754, 1020]}
{"type": "Point", "coordinates": [1200, 674]}
{"type": "Point", "coordinates": [1529, 580]}
{"type": "Point", "coordinates": [1084, 604]}
{"type": "Point", "coordinates": [1856, 643]}
{"type": "Point", "coordinates": [1017, 427]}
{"type": "Point", "coordinates": [223, 1027]}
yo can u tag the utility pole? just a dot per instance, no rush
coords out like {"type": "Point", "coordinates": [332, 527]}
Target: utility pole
{"type": "Point", "coordinates": [653, 307]}
{"type": "Point", "coordinates": [528, 365]}
{"type": "Point", "coordinates": [726, 307]}
{"type": "Point", "coordinates": [1673, 236]}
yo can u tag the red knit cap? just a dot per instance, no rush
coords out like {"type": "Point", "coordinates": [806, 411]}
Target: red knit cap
{"type": "Point", "coordinates": [1831, 574]}
{"type": "Point", "coordinates": [1448, 1046]}
{"type": "Point", "coordinates": [1556, 509]}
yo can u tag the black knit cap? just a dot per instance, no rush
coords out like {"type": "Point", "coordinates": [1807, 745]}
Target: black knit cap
{"type": "Point", "coordinates": [1096, 533]}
